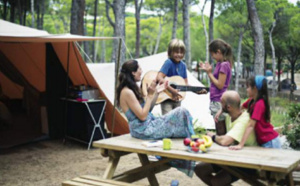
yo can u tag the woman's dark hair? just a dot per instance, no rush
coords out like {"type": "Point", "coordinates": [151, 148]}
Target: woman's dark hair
{"type": "Point", "coordinates": [126, 79]}
{"type": "Point", "coordinates": [225, 48]}
{"type": "Point", "coordinates": [262, 94]}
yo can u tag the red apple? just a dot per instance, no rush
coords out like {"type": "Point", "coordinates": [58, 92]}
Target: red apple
{"type": "Point", "coordinates": [195, 149]}
{"type": "Point", "coordinates": [193, 144]}
{"type": "Point", "coordinates": [187, 141]}
{"type": "Point", "coordinates": [200, 141]}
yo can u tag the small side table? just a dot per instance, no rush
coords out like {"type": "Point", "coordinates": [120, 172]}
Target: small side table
{"type": "Point", "coordinates": [92, 116]}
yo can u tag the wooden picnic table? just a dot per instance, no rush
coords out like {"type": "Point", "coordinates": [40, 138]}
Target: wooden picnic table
{"type": "Point", "coordinates": [272, 164]}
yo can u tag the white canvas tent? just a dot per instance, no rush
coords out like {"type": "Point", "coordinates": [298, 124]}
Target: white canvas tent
{"type": "Point", "coordinates": [198, 105]}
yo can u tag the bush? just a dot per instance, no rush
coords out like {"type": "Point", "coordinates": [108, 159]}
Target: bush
{"type": "Point", "coordinates": [294, 112]}
{"type": "Point", "coordinates": [293, 133]}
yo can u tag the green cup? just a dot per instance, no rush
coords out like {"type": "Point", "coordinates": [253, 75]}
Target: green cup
{"type": "Point", "coordinates": [167, 144]}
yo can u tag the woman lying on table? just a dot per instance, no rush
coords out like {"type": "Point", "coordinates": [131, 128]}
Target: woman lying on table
{"type": "Point", "coordinates": [142, 124]}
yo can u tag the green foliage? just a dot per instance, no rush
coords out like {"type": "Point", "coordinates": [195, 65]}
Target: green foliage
{"type": "Point", "coordinates": [205, 82]}
{"type": "Point", "coordinates": [279, 102]}
{"type": "Point", "coordinates": [293, 133]}
{"type": "Point", "coordinates": [293, 136]}
{"type": "Point", "coordinates": [295, 27]}
{"type": "Point", "coordinates": [277, 119]}
{"type": "Point", "coordinates": [198, 129]}
{"type": "Point", "coordinates": [294, 111]}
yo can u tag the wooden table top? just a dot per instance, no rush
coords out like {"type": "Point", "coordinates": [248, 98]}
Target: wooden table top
{"type": "Point", "coordinates": [275, 160]}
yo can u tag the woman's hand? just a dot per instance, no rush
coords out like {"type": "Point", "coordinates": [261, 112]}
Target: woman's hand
{"type": "Point", "coordinates": [206, 67]}
{"type": "Point", "coordinates": [152, 88]}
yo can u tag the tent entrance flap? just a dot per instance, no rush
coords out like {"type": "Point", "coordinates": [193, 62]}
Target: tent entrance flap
{"type": "Point", "coordinates": [57, 83]}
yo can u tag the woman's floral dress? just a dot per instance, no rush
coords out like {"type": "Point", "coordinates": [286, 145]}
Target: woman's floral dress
{"type": "Point", "coordinates": [175, 124]}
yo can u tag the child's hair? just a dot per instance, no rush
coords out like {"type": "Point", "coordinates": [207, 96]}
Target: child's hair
{"type": "Point", "coordinates": [262, 89]}
{"type": "Point", "coordinates": [126, 79]}
{"type": "Point", "coordinates": [225, 49]}
{"type": "Point", "coordinates": [176, 45]}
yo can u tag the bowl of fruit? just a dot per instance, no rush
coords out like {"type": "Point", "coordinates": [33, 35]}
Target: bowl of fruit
{"type": "Point", "coordinates": [197, 144]}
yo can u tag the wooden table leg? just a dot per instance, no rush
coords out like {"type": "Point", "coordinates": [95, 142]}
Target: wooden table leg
{"type": "Point", "coordinates": [111, 167]}
{"type": "Point", "coordinates": [151, 176]}
{"type": "Point", "coordinates": [289, 179]}
{"type": "Point", "coordinates": [245, 177]}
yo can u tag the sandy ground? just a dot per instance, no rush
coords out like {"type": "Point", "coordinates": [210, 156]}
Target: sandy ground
{"type": "Point", "coordinates": [50, 162]}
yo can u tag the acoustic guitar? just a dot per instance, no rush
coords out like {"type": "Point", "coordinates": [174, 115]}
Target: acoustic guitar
{"type": "Point", "coordinates": [176, 82]}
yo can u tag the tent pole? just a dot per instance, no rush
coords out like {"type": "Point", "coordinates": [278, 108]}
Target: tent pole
{"type": "Point", "coordinates": [116, 82]}
{"type": "Point", "coordinates": [67, 90]}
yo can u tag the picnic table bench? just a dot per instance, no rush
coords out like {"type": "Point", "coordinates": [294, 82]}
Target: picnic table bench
{"type": "Point", "coordinates": [93, 180]}
{"type": "Point", "coordinates": [272, 164]}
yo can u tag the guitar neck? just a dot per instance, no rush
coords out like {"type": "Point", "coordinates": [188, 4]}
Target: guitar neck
{"type": "Point", "coordinates": [190, 88]}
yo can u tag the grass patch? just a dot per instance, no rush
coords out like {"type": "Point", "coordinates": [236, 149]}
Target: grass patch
{"type": "Point", "coordinates": [278, 119]}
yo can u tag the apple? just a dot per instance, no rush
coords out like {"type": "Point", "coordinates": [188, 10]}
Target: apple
{"type": "Point", "coordinates": [193, 144]}
{"type": "Point", "coordinates": [200, 141]}
{"type": "Point", "coordinates": [195, 149]}
{"type": "Point", "coordinates": [187, 141]}
{"type": "Point", "coordinates": [202, 148]}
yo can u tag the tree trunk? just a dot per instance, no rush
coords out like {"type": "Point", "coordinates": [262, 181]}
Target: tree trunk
{"type": "Point", "coordinates": [175, 19]}
{"type": "Point", "coordinates": [40, 5]}
{"type": "Point", "coordinates": [211, 25]}
{"type": "Point", "coordinates": [107, 6]}
{"type": "Point", "coordinates": [4, 9]}
{"type": "Point", "coordinates": [119, 30]}
{"type": "Point", "coordinates": [94, 29]}
{"type": "Point", "coordinates": [12, 11]}
{"type": "Point", "coordinates": [279, 60]}
{"type": "Point", "coordinates": [158, 36]}
{"type": "Point", "coordinates": [103, 52]}
{"type": "Point", "coordinates": [294, 55]}
{"type": "Point", "coordinates": [77, 13]}
{"type": "Point", "coordinates": [86, 44]}
{"type": "Point", "coordinates": [186, 32]}
{"type": "Point", "coordinates": [237, 72]}
{"type": "Point", "coordinates": [42, 15]}
{"type": "Point", "coordinates": [38, 14]}
{"type": "Point", "coordinates": [273, 59]}
{"type": "Point", "coordinates": [24, 11]}
{"type": "Point", "coordinates": [205, 32]}
{"type": "Point", "coordinates": [19, 11]}
{"type": "Point", "coordinates": [103, 48]}
{"type": "Point", "coordinates": [32, 13]}
{"type": "Point", "coordinates": [257, 37]}
{"type": "Point", "coordinates": [138, 28]}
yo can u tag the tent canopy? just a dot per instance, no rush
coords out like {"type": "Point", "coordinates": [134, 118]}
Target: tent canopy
{"type": "Point", "coordinates": [29, 61]}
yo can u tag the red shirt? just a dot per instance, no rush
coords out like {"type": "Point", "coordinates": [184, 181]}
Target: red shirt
{"type": "Point", "coordinates": [264, 130]}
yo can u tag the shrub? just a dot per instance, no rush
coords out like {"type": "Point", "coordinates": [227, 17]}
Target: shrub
{"type": "Point", "coordinates": [293, 133]}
